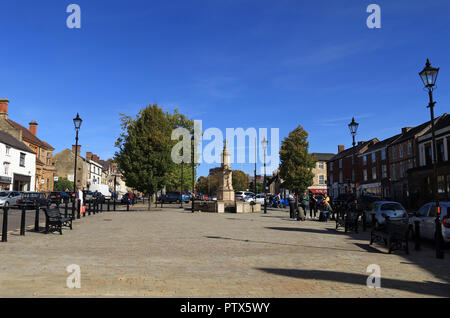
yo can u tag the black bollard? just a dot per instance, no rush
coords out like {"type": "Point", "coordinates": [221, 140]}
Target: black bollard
{"type": "Point", "coordinates": [114, 204]}
{"type": "Point", "coordinates": [128, 205]}
{"type": "Point", "coordinates": [417, 235]}
{"type": "Point", "coordinates": [78, 209]}
{"type": "Point", "coordinates": [66, 205]}
{"type": "Point", "coordinates": [101, 206]}
{"type": "Point", "coordinates": [364, 223]}
{"type": "Point", "coordinates": [36, 220]}
{"type": "Point", "coordinates": [109, 200]}
{"type": "Point", "coordinates": [22, 221]}
{"type": "Point", "coordinates": [89, 208]}
{"type": "Point", "coordinates": [5, 224]}
{"type": "Point", "coordinates": [438, 239]}
{"type": "Point", "coordinates": [73, 208]}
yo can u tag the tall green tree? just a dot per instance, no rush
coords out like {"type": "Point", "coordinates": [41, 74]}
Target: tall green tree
{"type": "Point", "coordinates": [175, 178]}
{"type": "Point", "coordinates": [62, 184]}
{"type": "Point", "coordinates": [145, 144]}
{"type": "Point", "coordinates": [296, 163]}
{"type": "Point", "coordinates": [240, 180]}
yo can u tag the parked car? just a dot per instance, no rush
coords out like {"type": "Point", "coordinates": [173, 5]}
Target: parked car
{"type": "Point", "coordinates": [365, 202]}
{"type": "Point", "coordinates": [171, 197]}
{"type": "Point", "coordinates": [58, 197]}
{"type": "Point", "coordinates": [427, 216]}
{"type": "Point", "coordinates": [394, 210]}
{"type": "Point", "coordinates": [99, 196]}
{"type": "Point", "coordinates": [238, 195]}
{"type": "Point", "coordinates": [88, 195]}
{"type": "Point", "coordinates": [9, 198]}
{"type": "Point", "coordinates": [250, 198]}
{"type": "Point", "coordinates": [259, 198]}
{"type": "Point", "coordinates": [33, 199]}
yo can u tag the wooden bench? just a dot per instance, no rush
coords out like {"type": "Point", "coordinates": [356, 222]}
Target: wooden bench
{"type": "Point", "coordinates": [349, 221]}
{"type": "Point", "coordinates": [54, 220]}
{"type": "Point", "coordinates": [395, 235]}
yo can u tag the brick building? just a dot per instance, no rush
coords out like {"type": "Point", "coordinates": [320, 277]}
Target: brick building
{"type": "Point", "coordinates": [374, 163]}
{"type": "Point", "coordinates": [344, 170]}
{"type": "Point", "coordinates": [402, 155]}
{"type": "Point", "coordinates": [45, 170]}
{"type": "Point", "coordinates": [420, 178]}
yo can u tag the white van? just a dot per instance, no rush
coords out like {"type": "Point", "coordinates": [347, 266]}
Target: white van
{"type": "Point", "coordinates": [102, 188]}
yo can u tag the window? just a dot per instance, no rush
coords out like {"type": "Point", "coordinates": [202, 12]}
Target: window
{"type": "Point", "coordinates": [384, 171]}
{"type": "Point", "coordinates": [394, 173]}
{"type": "Point", "coordinates": [374, 157]}
{"type": "Point", "coordinates": [365, 174]}
{"type": "Point", "coordinates": [341, 177]}
{"type": "Point", "coordinates": [393, 153]}
{"type": "Point", "coordinates": [441, 184]}
{"type": "Point", "coordinates": [423, 211]}
{"type": "Point", "coordinates": [48, 158]}
{"type": "Point", "coordinates": [331, 166]}
{"type": "Point", "coordinates": [353, 175]}
{"type": "Point", "coordinates": [331, 179]}
{"type": "Point", "coordinates": [410, 164]}
{"type": "Point", "coordinates": [8, 149]}
{"type": "Point", "coordinates": [374, 173]}
{"type": "Point", "coordinates": [400, 151]}
{"type": "Point", "coordinates": [383, 154]}
{"type": "Point", "coordinates": [409, 148]}
{"type": "Point", "coordinates": [22, 159]}
{"type": "Point", "coordinates": [321, 165]}
{"type": "Point", "coordinates": [440, 150]}
{"type": "Point", "coordinates": [340, 163]}
{"type": "Point", "coordinates": [364, 160]}
{"type": "Point", "coordinates": [428, 154]}
{"type": "Point", "coordinates": [321, 179]}
{"type": "Point", "coordinates": [402, 171]}
{"type": "Point", "coordinates": [6, 168]}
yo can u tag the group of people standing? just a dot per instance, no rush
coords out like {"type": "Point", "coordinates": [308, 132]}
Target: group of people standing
{"type": "Point", "coordinates": [314, 203]}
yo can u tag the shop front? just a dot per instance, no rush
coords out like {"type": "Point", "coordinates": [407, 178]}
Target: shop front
{"type": "Point", "coordinates": [5, 183]}
{"type": "Point", "coordinates": [21, 183]}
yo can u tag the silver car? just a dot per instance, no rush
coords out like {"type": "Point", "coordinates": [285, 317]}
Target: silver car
{"type": "Point", "coordinates": [426, 215]}
{"type": "Point", "coordinates": [382, 209]}
{"type": "Point", "coordinates": [9, 198]}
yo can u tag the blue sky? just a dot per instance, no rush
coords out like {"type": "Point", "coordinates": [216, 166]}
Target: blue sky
{"type": "Point", "coordinates": [230, 63]}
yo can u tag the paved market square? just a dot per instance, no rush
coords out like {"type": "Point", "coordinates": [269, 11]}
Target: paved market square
{"type": "Point", "coordinates": [171, 252]}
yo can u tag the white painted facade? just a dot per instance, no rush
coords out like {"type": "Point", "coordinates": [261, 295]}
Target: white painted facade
{"type": "Point", "coordinates": [15, 163]}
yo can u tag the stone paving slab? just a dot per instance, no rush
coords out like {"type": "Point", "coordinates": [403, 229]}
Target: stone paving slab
{"type": "Point", "coordinates": [171, 252]}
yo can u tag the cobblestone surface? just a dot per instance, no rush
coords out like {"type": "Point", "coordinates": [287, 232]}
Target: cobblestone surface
{"type": "Point", "coordinates": [170, 252]}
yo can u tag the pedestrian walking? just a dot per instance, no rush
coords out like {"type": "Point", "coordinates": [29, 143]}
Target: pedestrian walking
{"type": "Point", "coordinates": [305, 202]}
{"type": "Point", "coordinates": [312, 206]}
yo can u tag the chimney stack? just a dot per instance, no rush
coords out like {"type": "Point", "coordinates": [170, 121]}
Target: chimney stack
{"type": "Point", "coordinates": [79, 149]}
{"type": "Point", "coordinates": [405, 130]}
{"type": "Point", "coordinates": [33, 127]}
{"type": "Point", "coordinates": [341, 148]}
{"type": "Point", "coordinates": [95, 158]}
{"type": "Point", "coordinates": [88, 155]}
{"type": "Point", "coordinates": [4, 108]}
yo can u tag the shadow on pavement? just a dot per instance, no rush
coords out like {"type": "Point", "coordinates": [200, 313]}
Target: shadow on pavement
{"type": "Point", "coordinates": [427, 288]}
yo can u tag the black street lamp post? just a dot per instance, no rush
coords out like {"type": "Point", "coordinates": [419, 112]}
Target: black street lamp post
{"type": "Point", "coordinates": [264, 144]}
{"type": "Point", "coordinates": [181, 185]}
{"type": "Point", "coordinates": [353, 126]}
{"type": "Point", "coordinates": [193, 173]}
{"type": "Point", "coordinates": [429, 76]}
{"type": "Point", "coordinates": [77, 123]}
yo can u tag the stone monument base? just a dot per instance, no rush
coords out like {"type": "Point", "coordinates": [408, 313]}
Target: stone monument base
{"type": "Point", "coordinates": [226, 207]}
